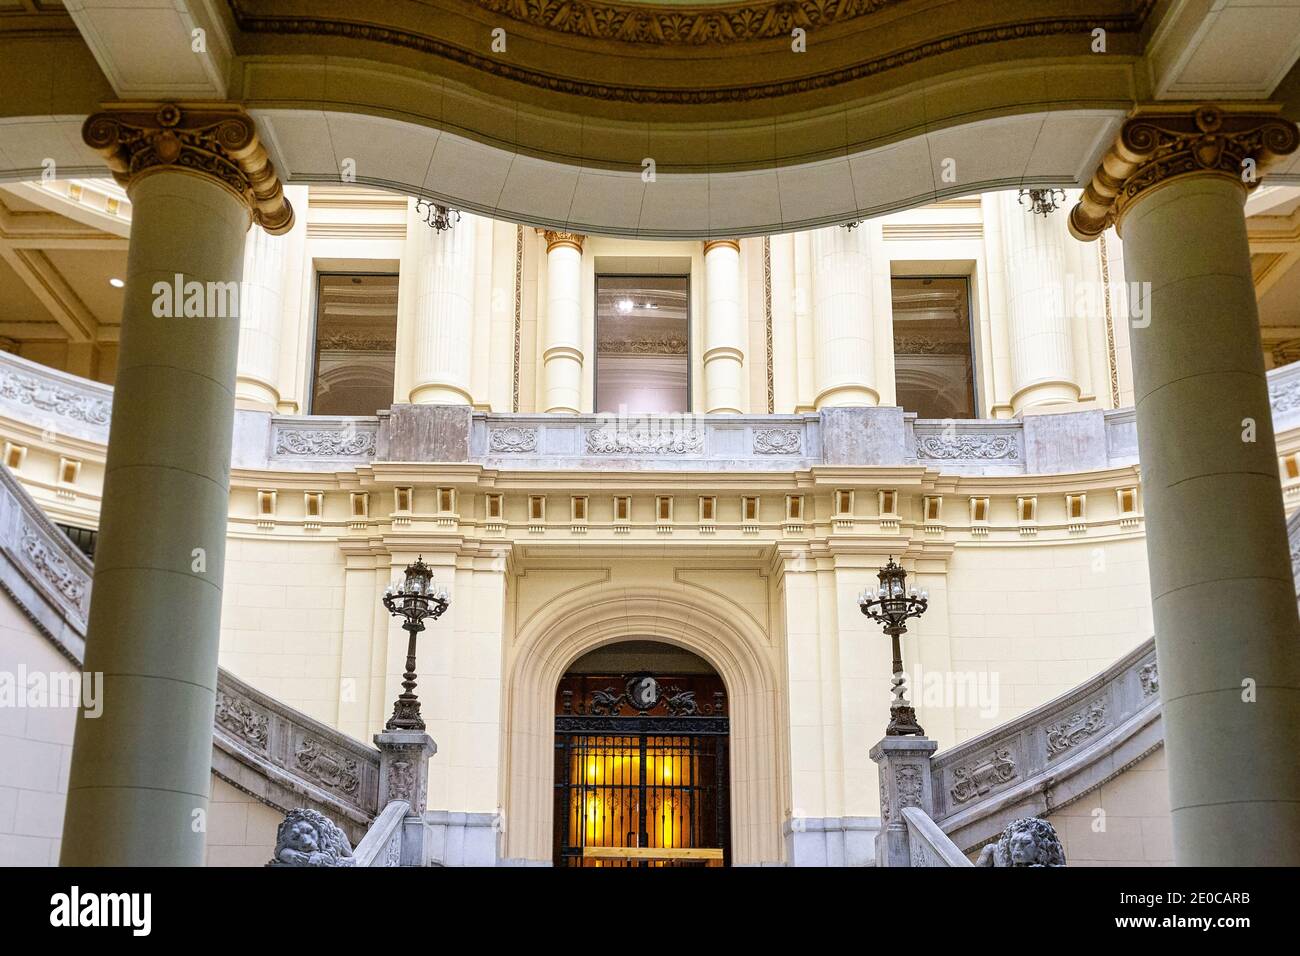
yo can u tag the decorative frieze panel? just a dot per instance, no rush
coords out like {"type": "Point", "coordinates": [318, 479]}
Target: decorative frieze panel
{"type": "Point", "coordinates": [778, 441]}
{"type": "Point", "coordinates": [53, 400]}
{"type": "Point", "coordinates": [1149, 677]}
{"type": "Point", "coordinates": [1076, 728]}
{"type": "Point", "coordinates": [978, 777]}
{"type": "Point", "coordinates": [648, 441]}
{"type": "Point", "coordinates": [980, 446]}
{"type": "Point", "coordinates": [324, 438]}
{"type": "Point", "coordinates": [512, 439]}
{"type": "Point", "coordinates": [242, 720]}
{"type": "Point", "coordinates": [71, 584]}
{"type": "Point", "coordinates": [328, 766]}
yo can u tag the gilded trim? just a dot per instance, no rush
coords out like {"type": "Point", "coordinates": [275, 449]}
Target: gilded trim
{"type": "Point", "coordinates": [555, 239]}
{"type": "Point", "coordinates": [519, 301]}
{"type": "Point", "coordinates": [1159, 143]}
{"type": "Point", "coordinates": [732, 243]}
{"type": "Point", "coordinates": [217, 141]}
{"type": "Point", "coordinates": [1112, 363]}
{"type": "Point", "coordinates": [1131, 23]}
{"type": "Point", "coordinates": [767, 321]}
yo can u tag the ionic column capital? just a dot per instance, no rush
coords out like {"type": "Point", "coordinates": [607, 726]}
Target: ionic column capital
{"type": "Point", "coordinates": [1160, 143]}
{"type": "Point", "coordinates": [710, 244]}
{"type": "Point", "coordinates": [555, 239]}
{"type": "Point", "coordinates": [216, 141]}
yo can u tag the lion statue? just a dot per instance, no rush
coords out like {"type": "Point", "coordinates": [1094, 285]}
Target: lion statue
{"type": "Point", "coordinates": [1029, 841]}
{"type": "Point", "coordinates": [309, 838]}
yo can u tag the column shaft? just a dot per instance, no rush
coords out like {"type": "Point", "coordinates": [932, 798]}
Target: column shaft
{"type": "Point", "coordinates": [724, 328]}
{"type": "Point", "coordinates": [140, 777]}
{"type": "Point", "coordinates": [1223, 598]}
{"type": "Point", "coordinates": [562, 352]}
{"type": "Point", "coordinates": [844, 337]}
{"type": "Point", "coordinates": [444, 313]}
{"type": "Point", "coordinates": [1042, 346]}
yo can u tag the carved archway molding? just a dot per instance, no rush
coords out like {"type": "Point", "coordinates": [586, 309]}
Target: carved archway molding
{"type": "Point", "coordinates": [738, 650]}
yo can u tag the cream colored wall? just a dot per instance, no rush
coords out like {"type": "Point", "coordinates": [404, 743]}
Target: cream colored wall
{"type": "Point", "coordinates": [282, 621]}
{"type": "Point", "coordinates": [35, 749]}
{"type": "Point", "coordinates": [1040, 619]}
{"type": "Point", "coordinates": [1122, 823]}
{"type": "Point", "coordinates": [241, 830]}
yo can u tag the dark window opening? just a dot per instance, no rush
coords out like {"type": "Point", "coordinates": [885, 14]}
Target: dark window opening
{"type": "Point", "coordinates": [83, 538]}
{"type": "Point", "coordinates": [642, 336]}
{"type": "Point", "coordinates": [356, 344]}
{"type": "Point", "coordinates": [934, 370]}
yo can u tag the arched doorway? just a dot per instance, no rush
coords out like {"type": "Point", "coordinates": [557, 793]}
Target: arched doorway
{"type": "Point", "coordinates": [642, 768]}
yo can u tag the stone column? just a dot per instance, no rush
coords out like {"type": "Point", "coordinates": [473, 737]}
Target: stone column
{"type": "Point", "coordinates": [141, 772]}
{"type": "Point", "coordinates": [444, 313]}
{"type": "Point", "coordinates": [844, 339]}
{"type": "Point", "coordinates": [562, 353]}
{"type": "Point", "coordinates": [260, 314]}
{"type": "Point", "coordinates": [1039, 323]}
{"type": "Point", "coordinates": [1222, 594]}
{"type": "Point", "coordinates": [724, 328]}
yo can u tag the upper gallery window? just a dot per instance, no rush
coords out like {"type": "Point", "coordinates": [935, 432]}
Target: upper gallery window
{"type": "Point", "coordinates": [933, 362]}
{"type": "Point", "coordinates": [356, 343]}
{"type": "Point", "coordinates": [642, 331]}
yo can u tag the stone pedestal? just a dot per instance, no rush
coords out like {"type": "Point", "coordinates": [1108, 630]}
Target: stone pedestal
{"type": "Point", "coordinates": [404, 775]}
{"type": "Point", "coordinates": [904, 768]}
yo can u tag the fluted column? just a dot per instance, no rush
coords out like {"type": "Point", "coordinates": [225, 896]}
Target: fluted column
{"type": "Point", "coordinates": [260, 319]}
{"type": "Point", "coordinates": [443, 316]}
{"type": "Point", "coordinates": [562, 353]}
{"type": "Point", "coordinates": [1222, 593]}
{"type": "Point", "coordinates": [141, 771]}
{"type": "Point", "coordinates": [844, 339]}
{"type": "Point", "coordinates": [1039, 322]}
{"type": "Point", "coordinates": [724, 328]}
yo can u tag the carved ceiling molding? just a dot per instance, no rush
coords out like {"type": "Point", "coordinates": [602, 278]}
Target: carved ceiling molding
{"type": "Point", "coordinates": [284, 25]}
{"type": "Point", "coordinates": [217, 141]}
{"type": "Point", "coordinates": [1160, 143]}
{"type": "Point", "coordinates": [677, 25]}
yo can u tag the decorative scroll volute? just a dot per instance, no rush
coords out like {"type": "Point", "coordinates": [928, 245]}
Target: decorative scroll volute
{"type": "Point", "coordinates": [1157, 144]}
{"type": "Point", "coordinates": [555, 239]}
{"type": "Point", "coordinates": [216, 140]}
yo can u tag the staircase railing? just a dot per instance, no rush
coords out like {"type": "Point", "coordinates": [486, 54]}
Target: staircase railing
{"type": "Point", "coordinates": [928, 844]}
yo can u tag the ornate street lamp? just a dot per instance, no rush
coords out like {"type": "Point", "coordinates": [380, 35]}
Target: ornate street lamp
{"type": "Point", "coordinates": [439, 218]}
{"type": "Point", "coordinates": [891, 603]}
{"type": "Point", "coordinates": [414, 600]}
{"type": "Point", "coordinates": [1043, 202]}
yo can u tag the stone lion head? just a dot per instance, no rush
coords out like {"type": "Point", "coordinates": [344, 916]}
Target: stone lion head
{"type": "Point", "coordinates": [1029, 841]}
{"type": "Point", "coordinates": [309, 838]}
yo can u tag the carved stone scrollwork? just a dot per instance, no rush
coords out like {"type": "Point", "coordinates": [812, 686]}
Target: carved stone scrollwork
{"type": "Point", "coordinates": [512, 439]}
{"type": "Point", "coordinates": [979, 777]}
{"type": "Point", "coordinates": [609, 441]}
{"type": "Point", "coordinates": [555, 239]}
{"type": "Point", "coordinates": [54, 399]}
{"type": "Point", "coordinates": [51, 566]}
{"type": "Point", "coordinates": [1076, 728]}
{"type": "Point", "coordinates": [978, 447]}
{"type": "Point", "coordinates": [242, 720]}
{"type": "Point", "coordinates": [907, 779]}
{"type": "Point", "coordinates": [1159, 143]}
{"type": "Point", "coordinates": [328, 767]}
{"type": "Point", "coordinates": [1149, 676]}
{"type": "Point", "coordinates": [778, 441]}
{"type": "Point", "coordinates": [1284, 396]}
{"type": "Point", "coordinates": [325, 443]}
{"type": "Point", "coordinates": [401, 780]}
{"type": "Point", "coordinates": [218, 142]}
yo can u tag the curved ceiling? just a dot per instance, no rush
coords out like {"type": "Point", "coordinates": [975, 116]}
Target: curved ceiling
{"type": "Point", "coordinates": [658, 120]}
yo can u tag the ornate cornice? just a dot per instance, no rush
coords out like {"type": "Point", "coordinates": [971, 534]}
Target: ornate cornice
{"type": "Point", "coordinates": [676, 25]}
{"type": "Point", "coordinates": [561, 19]}
{"type": "Point", "coordinates": [710, 244]}
{"type": "Point", "coordinates": [556, 239]}
{"type": "Point", "coordinates": [215, 140]}
{"type": "Point", "coordinates": [1159, 143]}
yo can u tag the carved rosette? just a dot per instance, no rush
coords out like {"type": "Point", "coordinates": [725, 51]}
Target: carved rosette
{"type": "Point", "coordinates": [555, 239]}
{"type": "Point", "coordinates": [512, 439]}
{"type": "Point", "coordinates": [778, 441]}
{"type": "Point", "coordinates": [217, 141]}
{"type": "Point", "coordinates": [1160, 143]}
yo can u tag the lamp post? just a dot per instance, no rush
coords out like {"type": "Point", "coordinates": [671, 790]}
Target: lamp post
{"type": "Point", "coordinates": [413, 599]}
{"type": "Point", "coordinates": [891, 603]}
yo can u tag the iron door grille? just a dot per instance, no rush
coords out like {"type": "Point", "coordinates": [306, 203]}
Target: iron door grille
{"type": "Point", "coordinates": [647, 787]}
